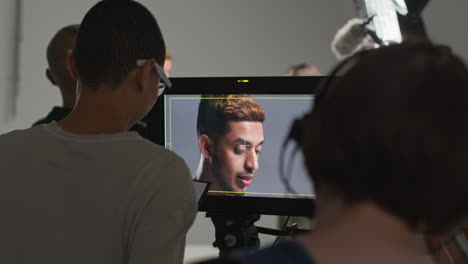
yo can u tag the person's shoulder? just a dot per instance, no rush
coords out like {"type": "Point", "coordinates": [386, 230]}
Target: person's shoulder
{"type": "Point", "coordinates": [163, 160]}
{"type": "Point", "coordinates": [19, 142]}
{"type": "Point", "coordinates": [168, 175]}
{"type": "Point", "coordinates": [20, 134]}
{"type": "Point", "coordinates": [154, 150]}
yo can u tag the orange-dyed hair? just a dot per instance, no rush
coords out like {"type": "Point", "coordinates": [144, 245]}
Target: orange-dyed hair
{"type": "Point", "coordinates": [216, 111]}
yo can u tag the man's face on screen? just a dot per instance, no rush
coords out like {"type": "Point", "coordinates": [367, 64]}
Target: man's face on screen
{"type": "Point", "coordinates": [235, 156]}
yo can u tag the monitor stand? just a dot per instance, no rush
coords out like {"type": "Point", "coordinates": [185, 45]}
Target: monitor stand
{"type": "Point", "coordinates": [233, 232]}
{"type": "Point", "coordinates": [238, 231]}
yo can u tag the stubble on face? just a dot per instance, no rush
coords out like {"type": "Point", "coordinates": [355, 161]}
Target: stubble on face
{"type": "Point", "coordinates": [235, 156]}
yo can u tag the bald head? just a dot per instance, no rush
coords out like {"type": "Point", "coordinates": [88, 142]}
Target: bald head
{"type": "Point", "coordinates": [57, 73]}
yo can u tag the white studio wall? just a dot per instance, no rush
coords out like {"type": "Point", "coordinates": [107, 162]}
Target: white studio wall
{"type": "Point", "coordinates": [446, 23]}
{"type": "Point", "coordinates": [8, 58]}
{"type": "Point", "coordinates": [206, 38]}
{"type": "Point", "coordinates": [39, 22]}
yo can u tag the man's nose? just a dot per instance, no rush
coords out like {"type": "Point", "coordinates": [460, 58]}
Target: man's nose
{"type": "Point", "coordinates": [251, 162]}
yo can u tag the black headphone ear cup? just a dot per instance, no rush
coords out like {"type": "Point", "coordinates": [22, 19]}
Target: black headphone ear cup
{"type": "Point", "coordinates": [296, 132]}
{"type": "Point", "coordinates": [297, 129]}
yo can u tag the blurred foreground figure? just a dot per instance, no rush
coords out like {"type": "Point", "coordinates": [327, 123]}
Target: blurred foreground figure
{"type": "Point", "coordinates": [386, 146]}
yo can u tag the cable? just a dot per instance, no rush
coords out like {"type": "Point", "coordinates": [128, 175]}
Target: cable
{"type": "Point", "coordinates": [290, 168]}
{"type": "Point", "coordinates": [284, 178]}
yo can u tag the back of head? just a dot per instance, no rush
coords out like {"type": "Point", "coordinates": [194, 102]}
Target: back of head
{"type": "Point", "coordinates": [57, 50]}
{"type": "Point", "coordinates": [113, 35]}
{"type": "Point", "coordinates": [215, 111]}
{"type": "Point", "coordinates": [393, 130]}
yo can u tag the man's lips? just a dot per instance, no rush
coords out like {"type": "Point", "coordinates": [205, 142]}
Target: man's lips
{"type": "Point", "coordinates": [245, 180]}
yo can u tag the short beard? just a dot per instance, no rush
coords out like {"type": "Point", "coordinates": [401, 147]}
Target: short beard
{"type": "Point", "coordinates": [223, 184]}
{"type": "Point", "coordinates": [218, 177]}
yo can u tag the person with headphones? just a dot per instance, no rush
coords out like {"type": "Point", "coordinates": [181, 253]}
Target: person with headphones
{"type": "Point", "coordinates": [386, 146]}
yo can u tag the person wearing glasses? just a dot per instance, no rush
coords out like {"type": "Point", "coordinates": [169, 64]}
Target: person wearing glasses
{"type": "Point", "coordinates": [85, 189]}
{"type": "Point", "coordinates": [58, 75]}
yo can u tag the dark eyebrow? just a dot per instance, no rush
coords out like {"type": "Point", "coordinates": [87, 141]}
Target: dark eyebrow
{"type": "Point", "coordinates": [246, 142]}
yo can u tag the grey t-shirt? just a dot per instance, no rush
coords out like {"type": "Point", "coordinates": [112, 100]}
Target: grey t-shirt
{"type": "Point", "coordinates": [109, 198]}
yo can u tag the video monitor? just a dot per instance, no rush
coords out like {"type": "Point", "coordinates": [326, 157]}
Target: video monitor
{"type": "Point", "coordinates": [230, 131]}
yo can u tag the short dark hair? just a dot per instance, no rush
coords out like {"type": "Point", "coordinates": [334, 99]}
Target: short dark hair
{"type": "Point", "coordinates": [216, 111]}
{"type": "Point", "coordinates": [112, 37]}
{"type": "Point", "coordinates": [57, 51]}
{"type": "Point", "coordinates": [394, 130]}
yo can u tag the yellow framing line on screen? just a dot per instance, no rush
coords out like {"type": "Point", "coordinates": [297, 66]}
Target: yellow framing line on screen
{"type": "Point", "coordinates": [283, 194]}
{"type": "Point", "coordinates": [229, 98]}
{"type": "Point", "coordinates": [241, 98]}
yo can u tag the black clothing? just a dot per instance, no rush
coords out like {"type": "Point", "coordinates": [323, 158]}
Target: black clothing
{"type": "Point", "coordinates": [56, 114]}
{"type": "Point", "coordinates": [287, 252]}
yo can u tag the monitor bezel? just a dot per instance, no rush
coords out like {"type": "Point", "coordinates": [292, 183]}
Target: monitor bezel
{"type": "Point", "coordinates": [235, 85]}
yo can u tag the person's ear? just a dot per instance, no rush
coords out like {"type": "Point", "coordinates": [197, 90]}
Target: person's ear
{"type": "Point", "coordinates": [50, 76]}
{"type": "Point", "coordinates": [206, 146]}
{"type": "Point", "coordinates": [71, 66]}
{"type": "Point", "coordinates": [144, 75]}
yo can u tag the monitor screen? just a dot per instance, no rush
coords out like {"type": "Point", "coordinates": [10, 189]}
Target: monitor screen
{"type": "Point", "coordinates": [230, 131]}
{"type": "Point", "coordinates": [242, 158]}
